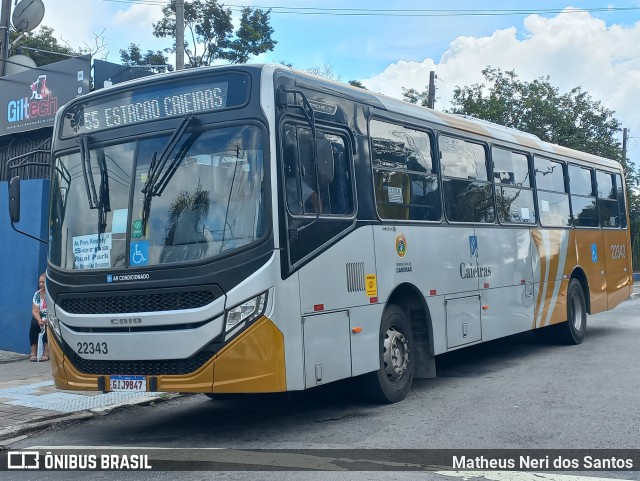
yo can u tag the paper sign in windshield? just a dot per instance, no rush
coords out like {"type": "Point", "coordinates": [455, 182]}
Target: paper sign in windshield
{"type": "Point", "coordinates": [88, 253]}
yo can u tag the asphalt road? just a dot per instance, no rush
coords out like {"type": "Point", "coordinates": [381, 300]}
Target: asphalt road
{"type": "Point", "coordinates": [514, 393]}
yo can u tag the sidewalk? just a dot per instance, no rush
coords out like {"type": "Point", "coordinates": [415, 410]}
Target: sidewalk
{"type": "Point", "coordinates": [29, 402]}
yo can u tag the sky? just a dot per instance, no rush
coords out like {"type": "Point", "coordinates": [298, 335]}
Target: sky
{"type": "Point", "coordinates": [388, 45]}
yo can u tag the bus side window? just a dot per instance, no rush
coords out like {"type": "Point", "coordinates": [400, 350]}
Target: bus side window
{"type": "Point", "coordinates": [583, 200]}
{"type": "Point", "coordinates": [406, 185]}
{"type": "Point", "coordinates": [622, 205]}
{"type": "Point", "coordinates": [553, 200]}
{"type": "Point", "coordinates": [608, 208]}
{"type": "Point", "coordinates": [468, 194]}
{"type": "Point", "coordinates": [514, 191]}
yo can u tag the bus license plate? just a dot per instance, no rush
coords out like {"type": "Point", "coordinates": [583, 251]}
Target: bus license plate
{"type": "Point", "coordinates": [128, 383]}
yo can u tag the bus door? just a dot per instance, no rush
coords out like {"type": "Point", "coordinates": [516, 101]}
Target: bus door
{"type": "Point", "coordinates": [331, 266]}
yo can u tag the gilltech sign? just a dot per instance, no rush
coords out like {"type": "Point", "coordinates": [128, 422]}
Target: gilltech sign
{"type": "Point", "coordinates": [29, 100]}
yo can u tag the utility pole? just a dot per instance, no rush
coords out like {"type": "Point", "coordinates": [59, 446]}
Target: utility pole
{"type": "Point", "coordinates": [5, 13]}
{"type": "Point", "coordinates": [179, 34]}
{"type": "Point", "coordinates": [431, 99]}
{"type": "Point", "coordinates": [625, 136]}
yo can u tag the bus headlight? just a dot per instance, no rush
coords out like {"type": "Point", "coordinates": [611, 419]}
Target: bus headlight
{"type": "Point", "coordinates": [246, 312]}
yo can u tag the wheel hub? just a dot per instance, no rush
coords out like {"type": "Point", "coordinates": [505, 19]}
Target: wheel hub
{"type": "Point", "coordinates": [396, 354]}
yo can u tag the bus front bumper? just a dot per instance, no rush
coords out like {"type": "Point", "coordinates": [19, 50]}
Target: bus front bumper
{"type": "Point", "coordinates": [252, 363]}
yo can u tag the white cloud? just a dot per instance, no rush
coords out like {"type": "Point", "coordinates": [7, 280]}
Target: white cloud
{"type": "Point", "coordinates": [573, 48]}
{"type": "Point", "coordinates": [138, 17]}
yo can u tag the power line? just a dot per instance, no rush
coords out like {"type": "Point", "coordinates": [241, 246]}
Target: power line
{"type": "Point", "coordinates": [366, 12]}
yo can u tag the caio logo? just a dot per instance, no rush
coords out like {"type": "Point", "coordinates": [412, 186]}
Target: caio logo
{"type": "Point", "coordinates": [40, 103]}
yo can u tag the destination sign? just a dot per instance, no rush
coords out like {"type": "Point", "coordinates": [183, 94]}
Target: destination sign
{"type": "Point", "coordinates": [151, 103]}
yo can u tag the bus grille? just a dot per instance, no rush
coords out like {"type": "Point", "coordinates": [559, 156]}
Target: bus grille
{"type": "Point", "coordinates": [141, 368]}
{"type": "Point", "coordinates": [168, 301]}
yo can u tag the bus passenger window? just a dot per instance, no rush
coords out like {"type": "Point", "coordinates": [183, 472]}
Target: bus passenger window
{"type": "Point", "coordinates": [514, 192]}
{"type": "Point", "coordinates": [553, 200]}
{"type": "Point", "coordinates": [608, 209]}
{"type": "Point", "coordinates": [621, 201]}
{"type": "Point", "coordinates": [406, 185]}
{"type": "Point", "coordinates": [583, 200]}
{"type": "Point", "coordinates": [468, 194]}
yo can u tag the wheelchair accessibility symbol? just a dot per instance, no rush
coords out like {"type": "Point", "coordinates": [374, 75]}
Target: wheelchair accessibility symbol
{"type": "Point", "coordinates": [139, 253]}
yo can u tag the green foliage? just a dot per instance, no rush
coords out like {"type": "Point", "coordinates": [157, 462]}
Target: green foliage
{"type": "Point", "coordinates": [133, 56]}
{"type": "Point", "coordinates": [41, 39]}
{"type": "Point", "coordinates": [571, 119]}
{"type": "Point", "coordinates": [209, 34]}
{"type": "Point", "coordinates": [415, 97]}
{"type": "Point", "coordinates": [357, 83]}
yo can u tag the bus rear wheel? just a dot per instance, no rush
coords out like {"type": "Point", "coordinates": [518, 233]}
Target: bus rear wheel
{"type": "Point", "coordinates": [392, 382]}
{"type": "Point", "coordinates": [573, 330]}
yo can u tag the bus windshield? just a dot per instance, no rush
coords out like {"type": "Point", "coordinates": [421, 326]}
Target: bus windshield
{"type": "Point", "coordinates": [179, 197]}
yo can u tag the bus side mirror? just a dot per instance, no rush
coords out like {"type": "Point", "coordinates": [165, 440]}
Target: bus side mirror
{"type": "Point", "coordinates": [14, 199]}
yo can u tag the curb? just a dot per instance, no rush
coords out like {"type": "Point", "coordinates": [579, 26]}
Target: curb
{"type": "Point", "coordinates": [27, 427]}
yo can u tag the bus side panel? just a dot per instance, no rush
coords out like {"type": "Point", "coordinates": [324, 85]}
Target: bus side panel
{"type": "Point", "coordinates": [553, 252]}
{"type": "Point", "coordinates": [617, 254]}
{"type": "Point", "coordinates": [591, 258]}
{"type": "Point", "coordinates": [342, 278]}
{"type": "Point", "coordinates": [507, 291]}
{"type": "Point", "coordinates": [438, 260]}
{"type": "Point", "coordinates": [336, 278]}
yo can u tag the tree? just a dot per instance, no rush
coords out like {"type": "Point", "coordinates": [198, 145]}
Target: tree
{"type": "Point", "coordinates": [357, 83]}
{"type": "Point", "coordinates": [133, 57]}
{"type": "Point", "coordinates": [571, 119]}
{"type": "Point", "coordinates": [46, 47]}
{"type": "Point", "coordinates": [326, 71]}
{"type": "Point", "coordinates": [415, 97]}
{"type": "Point", "coordinates": [210, 30]}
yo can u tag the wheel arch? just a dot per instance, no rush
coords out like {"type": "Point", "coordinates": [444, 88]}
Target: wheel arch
{"type": "Point", "coordinates": [579, 274]}
{"type": "Point", "coordinates": [410, 299]}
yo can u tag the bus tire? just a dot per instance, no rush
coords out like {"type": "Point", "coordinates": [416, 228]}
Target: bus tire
{"type": "Point", "coordinates": [573, 330]}
{"type": "Point", "coordinates": [392, 382]}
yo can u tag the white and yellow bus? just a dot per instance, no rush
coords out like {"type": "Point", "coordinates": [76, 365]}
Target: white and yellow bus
{"type": "Point", "coordinates": [248, 229]}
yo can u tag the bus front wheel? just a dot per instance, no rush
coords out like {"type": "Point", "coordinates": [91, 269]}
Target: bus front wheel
{"type": "Point", "coordinates": [391, 383]}
{"type": "Point", "coordinates": [573, 331]}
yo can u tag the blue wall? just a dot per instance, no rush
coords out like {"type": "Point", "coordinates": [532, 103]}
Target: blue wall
{"type": "Point", "coordinates": [22, 260]}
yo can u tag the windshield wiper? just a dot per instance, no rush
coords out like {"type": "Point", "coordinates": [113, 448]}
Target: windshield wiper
{"type": "Point", "coordinates": [157, 180]}
{"type": "Point", "coordinates": [85, 158]}
{"type": "Point", "coordinates": [102, 202]}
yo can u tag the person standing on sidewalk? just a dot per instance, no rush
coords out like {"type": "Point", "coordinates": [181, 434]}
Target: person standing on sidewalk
{"type": "Point", "coordinates": [39, 322]}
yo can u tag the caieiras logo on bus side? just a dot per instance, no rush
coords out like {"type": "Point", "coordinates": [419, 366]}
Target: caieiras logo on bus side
{"type": "Point", "coordinates": [41, 103]}
{"type": "Point", "coordinates": [471, 271]}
